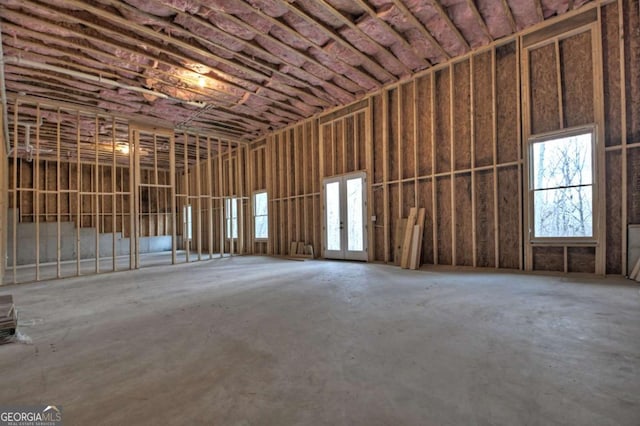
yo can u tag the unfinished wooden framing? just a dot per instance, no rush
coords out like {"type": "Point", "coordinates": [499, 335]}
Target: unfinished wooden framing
{"type": "Point", "coordinates": [90, 193]}
{"type": "Point", "coordinates": [452, 139]}
{"type": "Point", "coordinates": [287, 166]}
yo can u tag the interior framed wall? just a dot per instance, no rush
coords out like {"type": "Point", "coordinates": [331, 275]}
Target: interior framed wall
{"type": "Point", "coordinates": [292, 173]}
{"type": "Point", "coordinates": [88, 192]}
{"type": "Point", "coordinates": [215, 170]}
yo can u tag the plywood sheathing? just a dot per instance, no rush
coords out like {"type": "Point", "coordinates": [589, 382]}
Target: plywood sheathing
{"type": "Point", "coordinates": [633, 184]}
{"type": "Point", "coordinates": [631, 39]}
{"type": "Point", "coordinates": [581, 259]}
{"type": "Point", "coordinates": [548, 259]}
{"type": "Point", "coordinates": [577, 80]}
{"type": "Point", "coordinates": [485, 228]}
{"type": "Point", "coordinates": [611, 57]}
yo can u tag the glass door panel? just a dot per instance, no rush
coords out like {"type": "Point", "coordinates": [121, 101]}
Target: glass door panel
{"type": "Point", "coordinates": [344, 217]}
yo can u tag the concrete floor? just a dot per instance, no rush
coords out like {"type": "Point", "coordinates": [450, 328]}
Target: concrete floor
{"type": "Point", "coordinates": [49, 271]}
{"type": "Point", "coordinates": [255, 340]}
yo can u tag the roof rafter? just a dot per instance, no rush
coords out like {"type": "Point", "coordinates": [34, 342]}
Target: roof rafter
{"type": "Point", "coordinates": [538, 4]}
{"type": "Point", "coordinates": [372, 13]}
{"type": "Point", "coordinates": [331, 34]}
{"type": "Point", "coordinates": [509, 13]}
{"type": "Point", "coordinates": [445, 16]}
{"type": "Point", "coordinates": [258, 75]}
{"type": "Point", "coordinates": [421, 28]}
{"type": "Point", "coordinates": [483, 25]}
{"type": "Point", "coordinates": [291, 32]}
{"type": "Point", "coordinates": [207, 24]}
{"type": "Point", "coordinates": [349, 23]}
{"type": "Point", "coordinates": [125, 70]}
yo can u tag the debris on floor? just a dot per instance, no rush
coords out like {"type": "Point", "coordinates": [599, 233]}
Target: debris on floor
{"type": "Point", "coordinates": [300, 251]}
{"type": "Point", "coordinates": [8, 319]}
{"type": "Point", "coordinates": [635, 272]}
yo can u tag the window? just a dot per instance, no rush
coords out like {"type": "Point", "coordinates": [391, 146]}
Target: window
{"type": "Point", "coordinates": [562, 172]}
{"type": "Point", "coordinates": [260, 215]}
{"type": "Point", "coordinates": [231, 217]}
{"type": "Point", "coordinates": [188, 224]}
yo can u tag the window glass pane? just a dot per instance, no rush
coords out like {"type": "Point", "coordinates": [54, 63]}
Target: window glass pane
{"type": "Point", "coordinates": [260, 211]}
{"type": "Point", "coordinates": [231, 216]}
{"type": "Point", "coordinates": [187, 222]}
{"type": "Point", "coordinates": [260, 204]}
{"type": "Point", "coordinates": [333, 215]}
{"type": "Point", "coordinates": [262, 227]}
{"type": "Point", "coordinates": [563, 212]}
{"type": "Point", "coordinates": [354, 215]}
{"type": "Point", "coordinates": [562, 162]}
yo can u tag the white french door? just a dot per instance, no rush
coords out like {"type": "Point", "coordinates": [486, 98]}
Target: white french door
{"type": "Point", "coordinates": [345, 226]}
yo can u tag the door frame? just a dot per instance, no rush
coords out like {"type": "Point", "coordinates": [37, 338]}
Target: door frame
{"type": "Point", "coordinates": [344, 253]}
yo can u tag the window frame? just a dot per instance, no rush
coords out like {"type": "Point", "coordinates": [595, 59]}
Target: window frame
{"type": "Point", "coordinates": [561, 134]}
{"type": "Point", "coordinates": [253, 202]}
{"type": "Point", "coordinates": [187, 212]}
{"type": "Point", "coordinates": [228, 219]}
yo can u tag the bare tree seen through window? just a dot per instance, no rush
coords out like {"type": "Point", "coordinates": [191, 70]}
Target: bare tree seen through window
{"type": "Point", "coordinates": [563, 187]}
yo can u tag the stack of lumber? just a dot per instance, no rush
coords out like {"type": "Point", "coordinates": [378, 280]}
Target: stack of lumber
{"type": "Point", "coordinates": [410, 233]}
{"type": "Point", "coordinates": [635, 272]}
{"type": "Point", "coordinates": [8, 316]}
{"type": "Point", "coordinates": [299, 251]}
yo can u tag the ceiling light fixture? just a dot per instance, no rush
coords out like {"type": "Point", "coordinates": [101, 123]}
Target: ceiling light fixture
{"type": "Point", "coordinates": [123, 148]}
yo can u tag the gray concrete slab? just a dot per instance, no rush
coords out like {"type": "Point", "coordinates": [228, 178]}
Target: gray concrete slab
{"type": "Point", "coordinates": [251, 340]}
